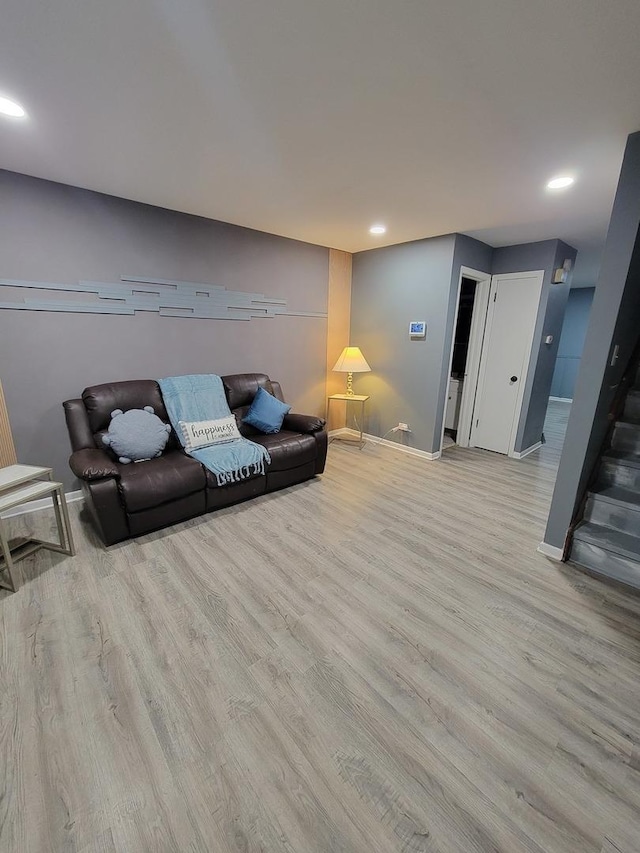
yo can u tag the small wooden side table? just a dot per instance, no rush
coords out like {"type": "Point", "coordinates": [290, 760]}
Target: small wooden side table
{"type": "Point", "coordinates": [19, 484]}
{"type": "Point", "coordinates": [350, 398]}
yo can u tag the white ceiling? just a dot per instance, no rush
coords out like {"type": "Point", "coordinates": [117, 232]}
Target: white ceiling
{"type": "Point", "coordinates": [315, 118]}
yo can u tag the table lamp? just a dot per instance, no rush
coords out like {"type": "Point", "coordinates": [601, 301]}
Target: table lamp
{"type": "Point", "coordinates": [351, 361]}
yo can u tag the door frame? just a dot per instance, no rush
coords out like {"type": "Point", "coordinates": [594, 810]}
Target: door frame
{"type": "Point", "coordinates": [478, 320]}
{"type": "Point", "coordinates": [528, 356]}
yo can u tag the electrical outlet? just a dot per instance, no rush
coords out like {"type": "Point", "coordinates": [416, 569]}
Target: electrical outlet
{"type": "Point", "coordinates": [404, 427]}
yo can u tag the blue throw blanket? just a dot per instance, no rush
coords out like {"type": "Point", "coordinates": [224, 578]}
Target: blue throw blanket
{"type": "Point", "coordinates": [201, 397]}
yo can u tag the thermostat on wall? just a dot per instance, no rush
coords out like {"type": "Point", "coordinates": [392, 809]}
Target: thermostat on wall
{"type": "Point", "coordinates": [418, 329]}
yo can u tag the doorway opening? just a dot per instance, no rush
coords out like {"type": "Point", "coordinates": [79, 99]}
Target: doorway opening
{"type": "Point", "coordinates": [461, 338]}
{"type": "Point", "coordinates": [466, 346]}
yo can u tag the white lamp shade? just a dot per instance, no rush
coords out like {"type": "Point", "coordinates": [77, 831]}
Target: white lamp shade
{"type": "Point", "coordinates": [351, 361]}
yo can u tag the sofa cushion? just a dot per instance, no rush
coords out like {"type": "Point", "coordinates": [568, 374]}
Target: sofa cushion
{"type": "Point", "coordinates": [101, 400]}
{"type": "Point", "coordinates": [277, 390]}
{"type": "Point", "coordinates": [241, 388]}
{"type": "Point", "coordinates": [246, 429]}
{"type": "Point", "coordinates": [167, 478]}
{"type": "Point", "coordinates": [287, 449]}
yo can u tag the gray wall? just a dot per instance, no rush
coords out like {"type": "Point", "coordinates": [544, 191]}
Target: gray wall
{"type": "Point", "coordinates": [419, 280]}
{"type": "Point", "coordinates": [392, 286]}
{"type": "Point", "coordinates": [546, 255]}
{"type": "Point", "coordinates": [52, 232]}
{"type": "Point", "coordinates": [614, 321]}
{"type": "Point", "coordinates": [574, 330]}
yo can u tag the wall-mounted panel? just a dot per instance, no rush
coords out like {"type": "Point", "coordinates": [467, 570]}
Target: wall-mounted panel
{"type": "Point", "coordinates": [132, 294]}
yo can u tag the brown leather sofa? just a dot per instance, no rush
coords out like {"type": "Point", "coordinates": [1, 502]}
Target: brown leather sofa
{"type": "Point", "coordinates": [129, 500]}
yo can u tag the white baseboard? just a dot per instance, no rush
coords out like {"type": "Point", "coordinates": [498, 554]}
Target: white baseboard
{"type": "Point", "coordinates": [562, 399]}
{"type": "Point", "coordinates": [550, 551]}
{"type": "Point", "coordinates": [42, 503]}
{"type": "Point", "coordinates": [521, 454]}
{"type": "Point", "coordinates": [373, 439]}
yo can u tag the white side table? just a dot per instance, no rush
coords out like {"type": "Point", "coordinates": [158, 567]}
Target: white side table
{"type": "Point", "coordinates": [19, 484]}
{"type": "Point", "coordinates": [350, 398]}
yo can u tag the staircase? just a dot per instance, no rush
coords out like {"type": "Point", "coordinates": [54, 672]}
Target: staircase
{"type": "Point", "coordinates": [607, 541]}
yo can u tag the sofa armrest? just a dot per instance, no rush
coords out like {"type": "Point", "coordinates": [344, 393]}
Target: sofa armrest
{"type": "Point", "coordinates": [93, 464]}
{"type": "Point", "coordinates": [78, 425]}
{"type": "Point", "coordinates": [303, 423]}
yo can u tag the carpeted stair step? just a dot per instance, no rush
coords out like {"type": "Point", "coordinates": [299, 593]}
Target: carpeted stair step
{"type": "Point", "coordinates": [632, 405]}
{"type": "Point", "coordinates": [620, 468]}
{"type": "Point", "coordinates": [607, 552]}
{"type": "Point", "coordinates": [626, 436]}
{"type": "Point", "coordinates": [614, 507]}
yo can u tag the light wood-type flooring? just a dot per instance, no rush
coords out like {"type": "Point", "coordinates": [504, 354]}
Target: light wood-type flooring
{"type": "Point", "coordinates": [377, 660]}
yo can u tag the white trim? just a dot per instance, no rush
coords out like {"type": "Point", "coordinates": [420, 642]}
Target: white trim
{"type": "Point", "coordinates": [562, 399]}
{"type": "Point", "coordinates": [528, 357]}
{"type": "Point", "coordinates": [483, 280]}
{"type": "Point", "coordinates": [373, 439]}
{"type": "Point", "coordinates": [403, 448]}
{"type": "Point", "coordinates": [550, 551]}
{"type": "Point", "coordinates": [520, 454]}
{"type": "Point", "coordinates": [42, 503]}
{"type": "Point", "coordinates": [340, 431]}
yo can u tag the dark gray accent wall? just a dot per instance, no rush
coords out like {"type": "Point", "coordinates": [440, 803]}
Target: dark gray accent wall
{"type": "Point", "coordinates": [53, 232]}
{"type": "Point", "coordinates": [552, 314]}
{"type": "Point", "coordinates": [546, 255]}
{"type": "Point", "coordinates": [574, 330]}
{"type": "Point", "coordinates": [390, 287]}
{"type": "Point", "coordinates": [614, 321]}
{"type": "Point", "coordinates": [470, 253]}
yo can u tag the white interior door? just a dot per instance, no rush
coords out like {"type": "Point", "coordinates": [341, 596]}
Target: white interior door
{"type": "Point", "coordinates": [513, 309]}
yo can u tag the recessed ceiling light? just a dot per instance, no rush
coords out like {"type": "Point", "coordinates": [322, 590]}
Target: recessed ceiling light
{"type": "Point", "coordinates": [560, 183]}
{"type": "Point", "coordinates": [378, 229]}
{"type": "Point", "coordinates": [11, 108]}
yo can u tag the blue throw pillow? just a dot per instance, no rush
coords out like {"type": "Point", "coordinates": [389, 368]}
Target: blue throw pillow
{"type": "Point", "coordinates": [266, 413]}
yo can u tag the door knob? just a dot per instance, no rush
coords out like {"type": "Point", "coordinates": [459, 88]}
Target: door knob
{"type": "Point", "coordinates": [514, 379]}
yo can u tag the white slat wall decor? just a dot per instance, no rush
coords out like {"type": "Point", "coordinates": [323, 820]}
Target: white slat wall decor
{"type": "Point", "coordinates": [136, 293]}
{"type": "Point", "coordinates": [7, 449]}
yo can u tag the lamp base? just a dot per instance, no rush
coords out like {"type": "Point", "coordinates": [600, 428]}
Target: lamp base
{"type": "Point", "coordinates": [350, 384]}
